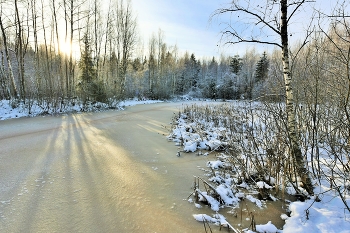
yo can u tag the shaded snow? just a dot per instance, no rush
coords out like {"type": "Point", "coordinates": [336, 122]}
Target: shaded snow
{"type": "Point", "coordinates": [17, 109]}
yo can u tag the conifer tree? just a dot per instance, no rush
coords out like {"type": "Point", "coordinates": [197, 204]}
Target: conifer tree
{"type": "Point", "coordinates": [88, 71]}
{"type": "Point", "coordinates": [235, 64]}
{"type": "Point", "coordinates": [194, 68]}
{"type": "Point", "coordinates": [89, 86]}
{"type": "Point", "coordinates": [261, 71]}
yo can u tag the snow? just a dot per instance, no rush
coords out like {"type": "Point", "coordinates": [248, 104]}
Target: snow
{"type": "Point", "coordinates": [214, 204]}
{"type": "Point", "coordinates": [267, 228]}
{"type": "Point", "coordinates": [254, 200]}
{"type": "Point", "coordinates": [328, 215]}
{"type": "Point", "coordinates": [325, 216]}
{"type": "Point", "coordinates": [226, 194]}
{"type": "Point", "coordinates": [215, 164]}
{"type": "Point", "coordinates": [190, 146]}
{"type": "Point", "coordinates": [204, 217]}
{"type": "Point", "coordinates": [262, 184]}
{"type": "Point", "coordinates": [16, 109]}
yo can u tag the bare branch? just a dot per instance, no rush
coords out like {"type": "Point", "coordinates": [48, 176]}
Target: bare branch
{"type": "Point", "coordinates": [240, 9]}
{"type": "Point", "coordinates": [296, 8]}
{"type": "Point", "coordinates": [338, 16]}
{"type": "Point", "coordinates": [251, 40]}
{"type": "Point", "coordinates": [332, 41]}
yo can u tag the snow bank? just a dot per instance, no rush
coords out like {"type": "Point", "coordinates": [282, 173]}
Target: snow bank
{"type": "Point", "coordinates": [267, 228]}
{"type": "Point", "coordinates": [327, 216]}
{"type": "Point", "coordinates": [16, 109]}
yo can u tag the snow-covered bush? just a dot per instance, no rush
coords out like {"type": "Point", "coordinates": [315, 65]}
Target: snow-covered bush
{"type": "Point", "coordinates": [254, 145]}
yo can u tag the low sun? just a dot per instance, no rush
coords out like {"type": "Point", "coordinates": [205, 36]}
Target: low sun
{"type": "Point", "coordinates": [65, 48]}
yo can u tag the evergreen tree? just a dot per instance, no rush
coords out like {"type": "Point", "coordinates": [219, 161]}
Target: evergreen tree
{"type": "Point", "coordinates": [89, 86]}
{"type": "Point", "coordinates": [88, 71]}
{"type": "Point", "coordinates": [235, 64]}
{"type": "Point", "coordinates": [261, 71]}
{"type": "Point", "coordinates": [194, 68]}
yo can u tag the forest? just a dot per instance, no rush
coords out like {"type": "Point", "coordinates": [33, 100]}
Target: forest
{"type": "Point", "coordinates": [59, 52]}
{"type": "Point", "coordinates": [109, 62]}
{"type": "Point", "coordinates": [63, 50]}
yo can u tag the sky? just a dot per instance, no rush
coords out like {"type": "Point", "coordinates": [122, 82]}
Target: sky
{"type": "Point", "coordinates": [187, 24]}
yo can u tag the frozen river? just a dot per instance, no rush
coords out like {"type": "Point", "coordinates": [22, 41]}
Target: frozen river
{"type": "Point", "coordinates": [96, 172]}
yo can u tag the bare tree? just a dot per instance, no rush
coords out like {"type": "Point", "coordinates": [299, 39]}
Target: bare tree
{"type": "Point", "coordinates": [151, 64]}
{"type": "Point", "coordinates": [72, 16]}
{"type": "Point", "coordinates": [272, 18]}
{"type": "Point", "coordinates": [128, 38]}
{"type": "Point", "coordinates": [14, 92]}
{"type": "Point", "coordinates": [20, 50]}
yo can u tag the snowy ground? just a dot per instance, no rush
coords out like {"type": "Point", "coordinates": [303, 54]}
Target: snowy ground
{"type": "Point", "coordinates": [329, 215]}
{"type": "Point", "coordinates": [10, 109]}
{"type": "Point", "coordinates": [225, 190]}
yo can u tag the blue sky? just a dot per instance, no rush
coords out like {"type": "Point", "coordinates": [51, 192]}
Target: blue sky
{"type": "Point", "coordinates": [186, 23]}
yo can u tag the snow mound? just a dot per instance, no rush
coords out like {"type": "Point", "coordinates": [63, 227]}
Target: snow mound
{"type": "Point", "coordinates": [267, 228]}
{"type": "Point", "coordinates": [204, 217]}
{"type": "Point", "coordinates": [215, 164]}
{"type": "Point", "coordinates": [262, 184]}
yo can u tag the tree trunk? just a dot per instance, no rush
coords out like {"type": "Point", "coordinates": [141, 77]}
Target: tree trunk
{"type": "Point", "coordinates": [71, 71]}
{"type": "Point", "coordinates": [20, 54]}
{"type": "Point", "coordinates": [9, 66]}
{"type": "Point", "coordinates": [61, 81]}
{"type": "Point", "coordinates": [48, 83]}
{"type": "Point", "coordinates": [291, 120]}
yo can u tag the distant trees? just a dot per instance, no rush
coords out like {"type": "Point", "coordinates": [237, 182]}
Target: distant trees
{"type": "Point", "coordinates": [50, 51]}
{"type": "Point", "coordinates": [43, 43]}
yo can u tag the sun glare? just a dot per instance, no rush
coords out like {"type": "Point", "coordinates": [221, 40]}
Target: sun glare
{"type": "Point", "coordinates": [65, 48]}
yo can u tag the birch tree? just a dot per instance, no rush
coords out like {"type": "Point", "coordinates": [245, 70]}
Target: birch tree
{"type": "Point", "coordinates": [271, 21]}
{"type": "Point", "coordinates": [20, 50]}
{"type": "Point", "coordinates": [13, 90]}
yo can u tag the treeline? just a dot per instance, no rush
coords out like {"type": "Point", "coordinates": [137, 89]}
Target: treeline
{"type": "Point", "coordinates": [66, 49]}
{"type": "Point", "coordinates": [110, 62]}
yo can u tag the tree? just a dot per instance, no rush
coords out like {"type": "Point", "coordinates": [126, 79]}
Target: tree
{"type": "Point", "coordinates": [13, 90]}
{"type": "Point", "coordinates": [193, 71]}
{"type": "Point", "coordinates": [261, 70]}
{"type": "Point", "coordinates": [89, 86]}
{"type": "Point", "coordinates": [235, 64]}
{"type": "Point", "coordinates": [20, 51]}
{"type": "Point", "coordinates": [126, 36]}
{"type": "Point", "coordinates": [264, 17]}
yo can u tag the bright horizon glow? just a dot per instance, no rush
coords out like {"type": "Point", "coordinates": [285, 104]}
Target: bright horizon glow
{"type": "Point", "coordinates": [66, 49]}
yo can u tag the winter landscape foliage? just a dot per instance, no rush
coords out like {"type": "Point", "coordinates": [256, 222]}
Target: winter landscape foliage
{"type": "Point", "coordinates": [253, 163]}
{"type": "Point", "coordinates": [288, 130]}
